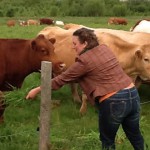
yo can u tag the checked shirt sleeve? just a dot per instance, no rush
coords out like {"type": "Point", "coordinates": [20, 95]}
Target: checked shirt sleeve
{"type": "Point", "coordinates": [72, 74]}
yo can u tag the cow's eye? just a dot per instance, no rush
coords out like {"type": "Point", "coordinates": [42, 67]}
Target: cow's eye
{"type": "Point", "coordinates": [44, 51]}
{"type": "Point", "coordinates": [146, 59]}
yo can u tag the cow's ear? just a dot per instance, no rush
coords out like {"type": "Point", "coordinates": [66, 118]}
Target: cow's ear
{"type": "Point", "coordinates": [52, 40]}
{"type": "Point", "coordinates": [41, 36]}
{"type": "Point", "coordinates": [33, 44]}
{"type": "Point", "coordinates": [138, 54]}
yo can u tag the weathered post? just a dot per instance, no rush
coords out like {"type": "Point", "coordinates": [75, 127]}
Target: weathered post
{"type": "Point", "coordinates": [46, 73]}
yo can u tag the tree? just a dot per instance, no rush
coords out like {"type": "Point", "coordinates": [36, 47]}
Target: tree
{"type": "Point", "coordinates": [10, 13]}
{"type": "Point", "coordinates": [94, 8]}
{"type": "Point", "coordinates": [54, 11]}
{"type": "Point", "coordinates": [120, 10]}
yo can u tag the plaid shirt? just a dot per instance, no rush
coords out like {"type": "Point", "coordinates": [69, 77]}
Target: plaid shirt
{"type": "Point", "coordinates": [97, 71]}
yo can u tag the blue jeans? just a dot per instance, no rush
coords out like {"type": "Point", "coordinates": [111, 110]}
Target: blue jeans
{"type": "Point", "coordinates": [123, 108]}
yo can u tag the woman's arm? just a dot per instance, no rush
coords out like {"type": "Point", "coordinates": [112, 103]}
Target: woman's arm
{"type": "Point", "coordinates": [72, 74]}
{"type": "Point", "coordinates": [32, 93]}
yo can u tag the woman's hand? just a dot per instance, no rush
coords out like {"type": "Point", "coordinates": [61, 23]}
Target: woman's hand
{"type": "Point", "coordinates": [32, 93]}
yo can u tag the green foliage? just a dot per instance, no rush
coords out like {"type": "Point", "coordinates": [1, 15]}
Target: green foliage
{"type": "Point", "coordinates": [32, 8]}
{"type": "Point", "coordinates": [94, 8]}
{"type": "Point", "coordinates": [54, 11]}
{"type": "Point", "coordinates": [10, 13]}
{"type": "Point", "coordinates": [141, 8]}
{"type": "Point", "coordinates": [120, 10]}
{"type": "Point", "coordinates": [1, 13]}
{"type": "Point", "coordinates": [74, 11]}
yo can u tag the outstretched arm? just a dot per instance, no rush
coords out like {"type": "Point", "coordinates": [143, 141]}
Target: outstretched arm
{"type": "Point", "coordinates": [32, 93]}
{"type": "Point", "coordinates": [72, 74]}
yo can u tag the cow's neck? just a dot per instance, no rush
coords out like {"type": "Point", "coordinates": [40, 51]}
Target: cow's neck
{"type": "Point", "coordinates": [128, 63]}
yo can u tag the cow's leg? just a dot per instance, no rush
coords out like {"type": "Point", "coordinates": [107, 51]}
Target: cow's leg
{"type": "Point", "coordinates": [83, 108]}
{"type": "Point", "coordinates": [2, 107]}
{"type": "Point", "coordinates": [76, 97]}
{"type": "Point", "coordinates": [75, 94]}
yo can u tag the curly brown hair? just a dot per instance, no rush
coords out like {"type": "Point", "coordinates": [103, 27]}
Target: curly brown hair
{"type": "Point", "coordinates": [87, 35]}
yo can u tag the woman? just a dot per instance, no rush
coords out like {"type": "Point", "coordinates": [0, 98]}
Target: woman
{"type": "Point", "coordinates": [106, 85]}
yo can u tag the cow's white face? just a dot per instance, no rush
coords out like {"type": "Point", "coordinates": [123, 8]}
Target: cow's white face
{"type": "Point", "coordinates": [143, 62]}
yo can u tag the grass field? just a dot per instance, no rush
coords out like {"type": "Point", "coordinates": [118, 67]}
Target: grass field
{"type": "Point", "coordinates": [68, 129]}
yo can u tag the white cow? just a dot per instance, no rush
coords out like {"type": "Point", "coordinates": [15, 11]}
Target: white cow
{"type": "Point", "coordinates": [60, 23]}
{"type": "Point", "coordinates": [142, 26]}
{"type": "Point", "coordinates": [129, 47]}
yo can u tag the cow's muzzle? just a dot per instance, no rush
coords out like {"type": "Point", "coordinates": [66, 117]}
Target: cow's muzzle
{"type": "Point", "coordinates": [59, 68]}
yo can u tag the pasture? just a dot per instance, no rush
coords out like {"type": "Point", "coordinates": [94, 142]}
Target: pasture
{"type": "Point", "coordinates": [68, 129]}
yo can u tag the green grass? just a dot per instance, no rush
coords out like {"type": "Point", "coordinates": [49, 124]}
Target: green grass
{"type": "Point", "coordinates": [68, 129]}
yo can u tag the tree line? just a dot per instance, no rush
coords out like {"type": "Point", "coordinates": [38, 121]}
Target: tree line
{"type": "Point", "coordinates": [33, 8]}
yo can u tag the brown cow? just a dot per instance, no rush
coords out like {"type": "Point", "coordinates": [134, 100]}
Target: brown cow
{"type": "Point", "coordinates": [117, 21]}
{"type": "Point", "coordinates": [46, 21]}
{"type": "Point", "coordinates": [32, 22]}
{"type": "Point", "coordinates": [21, 57]}
{"type": "Point", "coordinates": [137, 64]}
{"type": "Point", "coordinates": [11, 23]}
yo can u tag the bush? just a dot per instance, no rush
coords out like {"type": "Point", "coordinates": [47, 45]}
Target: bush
{"type": "Point", "coordinates": [94, 8]}
{"type": "Point", "coordinates": [74, 11]}
{"type": "Point", "coordinates": [32, 8]}
{"type": "Point", "coordinates": [10, 13]}
{"type": "Point", "coordinates": [54, 11]}
{"type": "Point", "coordinates": [141, 8]}
{"type": "Point", "coordinates": [1, 13]}
{"type": "Point", "coordinates": [120, 10]}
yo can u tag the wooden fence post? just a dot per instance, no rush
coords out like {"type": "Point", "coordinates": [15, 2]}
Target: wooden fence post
{"type": "Point", "coordinates": [46, 73]}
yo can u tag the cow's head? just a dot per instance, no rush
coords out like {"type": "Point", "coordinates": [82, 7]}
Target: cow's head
{"type": "Point", "coordinates": [44, 51]}
{"type": "Point", "coordinates": [143, 62]}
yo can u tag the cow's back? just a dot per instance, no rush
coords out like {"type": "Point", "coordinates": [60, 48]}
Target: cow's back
{"type": "Point", "coordinates": [143, 26]}
{"type": "Point", "coordinates": [117, 21]}
{"type": "Point", "coordinates": [11, 23]}
{"type": "Point", "coordinates": [12, 47]}
{"type": "Point", "coordinates": [13, 55]}
{"type": "Point", "coordinates": [132, 37]}
{"type": "Point", "coordinates": [46, 21]}
{"type": "Point", "coordinates": [137, 23]}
